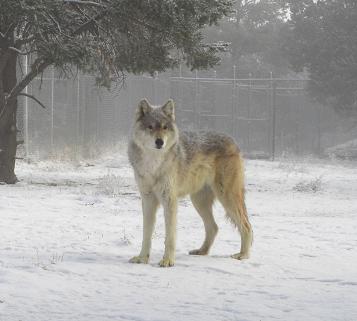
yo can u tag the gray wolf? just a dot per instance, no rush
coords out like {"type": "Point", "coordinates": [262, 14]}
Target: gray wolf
{"type": "Point", "coordinates": [169, 165]}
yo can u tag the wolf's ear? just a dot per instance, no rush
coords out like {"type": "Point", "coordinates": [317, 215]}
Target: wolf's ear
{"type": "Point", "coordinates": [143, 108]}
{"type": "Point", "coordinates": [169, 109]}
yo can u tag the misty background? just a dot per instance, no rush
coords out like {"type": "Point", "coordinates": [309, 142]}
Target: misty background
{"type": "Point", "coordinates": [260, 93]}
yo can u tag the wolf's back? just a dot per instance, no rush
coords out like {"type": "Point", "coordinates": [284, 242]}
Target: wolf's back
{"type": "Point", "coordinates": [207, 142]}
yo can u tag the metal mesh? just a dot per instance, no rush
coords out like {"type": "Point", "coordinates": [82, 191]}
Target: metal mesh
{"type": "Point", "coordinates": [267, 117]}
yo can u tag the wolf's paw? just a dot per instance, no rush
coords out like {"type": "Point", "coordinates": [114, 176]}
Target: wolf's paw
{"type": "Point", "coordinates": [198, 252]}
{"type": "Point", "coordinates": [167, 262]}
{"type": "Point", "coordinates": [240, 256]}
{"type": "Point", "coordinates": [139, 260]}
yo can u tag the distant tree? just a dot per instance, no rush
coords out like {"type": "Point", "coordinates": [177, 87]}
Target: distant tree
{"type": "Point", "coordinates": [107, 38]}
{"type": "Point", "coordinates": [254, 29]}
{"type": "Point", "coordinates": [323, 42]}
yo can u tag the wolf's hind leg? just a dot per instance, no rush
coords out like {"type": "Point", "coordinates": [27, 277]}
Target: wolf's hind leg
{"type": "Point", "coordinates": [150, 205]}
{"type": "Point", "coordinates": [246, 243]}
{"type": "Point", "coordinates": [203, 201]}
{"type": "Point", "coordinates": [237, 214]}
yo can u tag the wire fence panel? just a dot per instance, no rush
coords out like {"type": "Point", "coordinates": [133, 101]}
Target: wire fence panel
{"type": "Point", "coordinates": [267, 117]}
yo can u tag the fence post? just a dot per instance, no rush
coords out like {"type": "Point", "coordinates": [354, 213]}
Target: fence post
{"type": "Point", "coordinates": [197, 102]}
{"type": "Point", "coordinates": [155, 78]}
{"type": "Point", "coordinates": [319, 149]}
{"type": "Point", "coordinates": [26, 115]}
{"type": "Point", "coordinates": [84, 115]}
{"type": "Point", "coordinates": [180, 90]}
{"type": "Point", "coordinates": [78, 116]}
{"type": "Point", "coordinates": [273, 138]}
{"type": "Point", "coordinates": [97, 124]}
{"type": "Point", "coordinates": [171, 86]}
{"type": "Point", "coordinates": [52, 108]}
{"type": "Point", "coordinates": [234, 97]}
{"type": "Point", "coordinates": [249, 101]}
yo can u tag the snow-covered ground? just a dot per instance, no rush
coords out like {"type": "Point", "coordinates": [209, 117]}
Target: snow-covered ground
{"type": "Point", "coordinates": [67, 233]}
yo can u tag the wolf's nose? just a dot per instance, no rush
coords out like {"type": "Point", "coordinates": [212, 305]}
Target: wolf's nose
{"type": "Point", "coordinates": [159, 142]}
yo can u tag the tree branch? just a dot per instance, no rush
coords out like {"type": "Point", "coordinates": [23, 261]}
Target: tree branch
{"type": "Point", "coordinates": [20, 42]}
{"type": "Point", "coordinates": [28, 78]}
{"type": "Point", "coordinates": [86, 26]}
{"type": "Point", "coordinates": [41, 66]}
{"type": "Point", "coordinates": [17, 51]}
{"type": "Point", "coordinates": [34, 98]}
{"type": "Point", "coordinates": [10, 30]}
{"type": "Point", "coordinates": [20, 142]}
{"type": "Point", "coordinates": [90, 3]}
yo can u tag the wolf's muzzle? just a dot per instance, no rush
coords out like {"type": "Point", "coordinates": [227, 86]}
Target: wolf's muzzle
{"type": "Point", "coordinates": [159, 143]}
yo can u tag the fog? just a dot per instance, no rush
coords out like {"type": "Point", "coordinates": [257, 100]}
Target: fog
{"type": "Point", "coordinates": [268, 117]}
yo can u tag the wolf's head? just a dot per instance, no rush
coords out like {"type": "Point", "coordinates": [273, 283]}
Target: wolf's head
{"type": "Point", "coordinates": [155, 127]}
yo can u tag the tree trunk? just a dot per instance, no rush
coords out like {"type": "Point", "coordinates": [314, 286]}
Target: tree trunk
{"type": "Point", "coordinates": [8, 129]}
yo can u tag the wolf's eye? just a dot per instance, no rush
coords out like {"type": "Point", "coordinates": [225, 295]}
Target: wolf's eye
{"type": "Point", "coordinates": [150, 127]}
{"type": "Point", "coordinates": [164, 127]}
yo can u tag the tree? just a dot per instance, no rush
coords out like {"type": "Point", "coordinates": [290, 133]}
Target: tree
{"type": "Point", "coordinates": [323, 42]}
{"type": "Point", "coordinates": [107, 38]}
{"type": "Point", "coordinates": [254, 30]}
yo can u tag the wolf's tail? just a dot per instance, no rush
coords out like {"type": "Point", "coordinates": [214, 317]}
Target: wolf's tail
{"type": "Point", "coordinates": [229, 188]}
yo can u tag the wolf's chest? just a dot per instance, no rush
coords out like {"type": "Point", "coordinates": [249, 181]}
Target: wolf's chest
{"type": "Point", "coordinates": [149, 165]}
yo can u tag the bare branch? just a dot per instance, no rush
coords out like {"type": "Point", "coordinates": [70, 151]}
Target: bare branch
{"type": "Point", "coordinates": [45, 63]}
{"type": "Point", "coordinates": [78, 8]}
{"type": "Point", "coordinates": [10, 29]}
{"type": "Point", "coordinates": [20, 142]}
{"type": "Point", "coordinates": [34, 98]}
{"type": "Point", "coordinates": [56, 22]}
{"type": "Point", "coordinates": [20, 42]}
{"type": "Point", "coordinates": [36, 70]}
{"type": "Point", "coordinates": [90, 3]}
{"type": "Point", "coordinates": [17, 51]}
{"type": "Point", "coordinates": [87, 25]}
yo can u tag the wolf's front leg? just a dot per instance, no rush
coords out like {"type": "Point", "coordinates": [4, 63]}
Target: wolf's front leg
{"type": "Point", "coordinates": [149, 205]}
{"type": "Point", "coordinates": [170, 213]}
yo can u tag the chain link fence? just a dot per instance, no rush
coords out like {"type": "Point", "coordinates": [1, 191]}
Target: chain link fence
{"type": "Point", "coordinates": [267, 117]}
{"type": "Point", "coordinates": [80, 119]}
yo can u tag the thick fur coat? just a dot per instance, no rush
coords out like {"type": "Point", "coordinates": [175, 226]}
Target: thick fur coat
{"type": "Point", "coordinates": [169, 165]}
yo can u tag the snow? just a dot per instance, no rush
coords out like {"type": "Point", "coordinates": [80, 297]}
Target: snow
{"type": "Point", "coordinates": [68, 231]}
{"type": "Point", "coordinates": [347, 150]}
